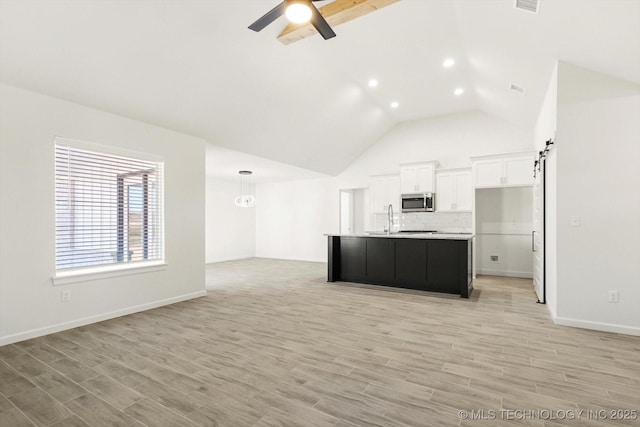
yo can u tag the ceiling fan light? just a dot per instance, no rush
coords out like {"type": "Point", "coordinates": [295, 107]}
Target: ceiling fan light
{"type": "Point", "coordinates": [298, 12]}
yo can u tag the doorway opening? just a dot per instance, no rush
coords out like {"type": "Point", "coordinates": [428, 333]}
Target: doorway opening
{"type": "Point", "coordinates": [352, 211]}
{"type": "Point", "coordinates": [504, 238]}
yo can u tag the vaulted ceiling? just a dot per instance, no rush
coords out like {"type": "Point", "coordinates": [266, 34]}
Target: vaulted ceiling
{"type": "Point", "coordinates": [193, 66]}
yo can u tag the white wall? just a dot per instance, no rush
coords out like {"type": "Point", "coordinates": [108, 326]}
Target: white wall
{"type": "Point", "coordinates": [29, 304]}
{"type": "Point", "coordinates": [599, 181]}
{"type": "Point", "coordinates": [292, 218]}
{"type": "Point", "coordinates": [597, 153]}
{"type": "Point", "coordinates": [504, 221]}
{"type": "Point", "coordinates": [546, 124]}
{"type": "Point", "coordinates": [347, 217]}
{"type": "Point", "coordinates": [230, 230]}
{"type": "Point", "coordinates": [449, 139]}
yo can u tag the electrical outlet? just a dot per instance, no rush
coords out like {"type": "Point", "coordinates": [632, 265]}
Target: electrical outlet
{"type": "Point", "coordinates": [614, 296]}
{"type": "Point", "coordinates": [65, 295]}
{"type": "Point", "coordinates": [494, 258]}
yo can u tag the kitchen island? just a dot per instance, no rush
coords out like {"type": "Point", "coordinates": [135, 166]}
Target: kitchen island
{"type": "Point", "coordinates": [434, 262]}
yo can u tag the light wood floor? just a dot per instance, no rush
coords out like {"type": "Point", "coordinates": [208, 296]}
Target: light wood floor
{"type": "Point", "coordinates": [273, 344]}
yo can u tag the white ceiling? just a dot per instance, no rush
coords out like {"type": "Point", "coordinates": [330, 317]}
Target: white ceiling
{"type": "Point", "coordinates": [224, 163]}
{"type": "Point", "coordinates": [193, 66]}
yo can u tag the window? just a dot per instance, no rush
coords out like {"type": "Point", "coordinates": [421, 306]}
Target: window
{"type": "Point", "coordinates": [108, 209]}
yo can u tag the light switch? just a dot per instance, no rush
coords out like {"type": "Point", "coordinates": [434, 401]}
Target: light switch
{"type": "Point", "coordinates": [575, 221]}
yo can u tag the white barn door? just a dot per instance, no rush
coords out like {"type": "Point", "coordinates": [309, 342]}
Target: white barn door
{"type": "Point", "coordinates": [537, 237]}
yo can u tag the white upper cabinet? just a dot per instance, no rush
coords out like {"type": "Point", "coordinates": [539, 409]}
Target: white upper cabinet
{"type": "Point", "coordinates": [408, 179]}
{"type": "Point", "coordinates": [385, 191]}
{"type": "Point", "coordinates": [453, 190]}
{"type": "Point", "coordinates": [417, 177]}
{"type": "Point", "coordinates": [445, 191]}
{"type": "Point", "coordinates": [519, 170]}
{"type": "Point", "coordinates": [464, 191]}
{"type": "Point", "coordinates": [488, 173]}
{"type": "Point", "coordinates": [507, 170]}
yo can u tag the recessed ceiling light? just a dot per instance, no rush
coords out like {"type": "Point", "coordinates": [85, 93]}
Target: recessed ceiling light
{"type": "Point", "coordinates": [373, 83]}
{"type": "Point", "coordinates": [459, 91]}
{"type": "Point", "coordinates": [448, 63]}
{"type": "Point", "coordinates": [395, 104]}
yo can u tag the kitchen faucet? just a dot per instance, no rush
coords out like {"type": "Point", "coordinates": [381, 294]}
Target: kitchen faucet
{"type": "Point", "coordinates": [389, 218]}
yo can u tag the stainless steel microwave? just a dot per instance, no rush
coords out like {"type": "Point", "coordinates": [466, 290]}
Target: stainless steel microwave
{"type": "Point", "coordinates": [424, 202]}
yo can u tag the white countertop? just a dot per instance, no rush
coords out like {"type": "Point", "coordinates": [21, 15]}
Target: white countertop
{"type": "Point", "coordinates": [427, 236]}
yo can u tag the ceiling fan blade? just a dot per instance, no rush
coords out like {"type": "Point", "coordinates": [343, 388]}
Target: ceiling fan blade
{"type": "Point", "coordinates": [269, 17]}
{"type": "Point", "coordinates": [321, 24]}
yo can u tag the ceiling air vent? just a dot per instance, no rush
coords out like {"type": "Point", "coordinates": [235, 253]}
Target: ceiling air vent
{"type": "Point", "coordinates": [528, 5]}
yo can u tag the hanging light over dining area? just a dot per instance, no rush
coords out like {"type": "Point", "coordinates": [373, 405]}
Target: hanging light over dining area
{"type": "Point", "coordinates": [246, 199]}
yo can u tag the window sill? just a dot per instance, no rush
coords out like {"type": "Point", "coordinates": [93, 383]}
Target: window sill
{"type": "Point", "coordinates": [89, 274]}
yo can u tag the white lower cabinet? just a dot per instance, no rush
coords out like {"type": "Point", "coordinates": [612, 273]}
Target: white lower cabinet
{"type": "Point", "coordinates": [453, 190]}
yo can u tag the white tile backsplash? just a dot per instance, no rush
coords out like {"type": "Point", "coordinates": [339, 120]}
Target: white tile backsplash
{"type": "Point", "coordinates": [380, 222]}
{"type": "Point", "coordinates": [451, 222]}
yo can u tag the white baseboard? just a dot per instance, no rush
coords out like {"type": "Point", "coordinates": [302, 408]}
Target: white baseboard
{"type": "Point", "coordinates": [230, 258]}
{"type": "Point", "coordinates": [323, 260]}
{"type": "Point", "coordinates": [520, 274]}
{"type": "Point", "coordinates": [34, 333]}
{"type": "Point", "coordinates": [551, 312]}
{"type": "Point", "coordinates": [597, 326]}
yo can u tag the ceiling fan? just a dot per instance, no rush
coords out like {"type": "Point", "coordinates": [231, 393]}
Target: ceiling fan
{"type": "Point", "coordinates": [308, 20]}
{"type": "Point", "coordinates": [299, 12]}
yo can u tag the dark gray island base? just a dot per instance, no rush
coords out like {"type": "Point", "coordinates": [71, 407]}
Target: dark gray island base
{"type": "Point", "coordinates": [428, 264]}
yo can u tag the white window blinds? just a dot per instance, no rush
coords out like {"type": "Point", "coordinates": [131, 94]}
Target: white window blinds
{"type": "Point", "coordinates": [108, 209]}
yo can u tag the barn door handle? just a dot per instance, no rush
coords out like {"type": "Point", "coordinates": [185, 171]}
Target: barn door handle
{"type": "Point", "coordinates": [533, 241]}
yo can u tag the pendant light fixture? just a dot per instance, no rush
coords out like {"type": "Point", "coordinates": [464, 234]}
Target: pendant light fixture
{"type": "Point", "coordinates": [246, 199]}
